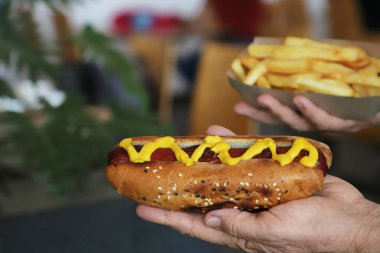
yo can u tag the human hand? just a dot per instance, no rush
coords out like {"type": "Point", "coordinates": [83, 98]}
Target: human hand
{"type": "Point", "coordinates": [337, 219]}
{"type": "Point", "coordinates": [310, 117]}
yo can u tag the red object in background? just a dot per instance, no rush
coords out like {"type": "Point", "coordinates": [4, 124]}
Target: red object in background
{"type": "Point", "coordinates": [238, 17]}
{"type": "Point", "coordinates": [138, 21]}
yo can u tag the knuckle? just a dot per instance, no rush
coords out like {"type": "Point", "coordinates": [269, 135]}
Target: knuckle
{"type": "Point", "coordinates": [321, 121]}
{"type": "Point", "coordinates": [193, 229]}
{"type": "Point", "coordinates": [235, 225]}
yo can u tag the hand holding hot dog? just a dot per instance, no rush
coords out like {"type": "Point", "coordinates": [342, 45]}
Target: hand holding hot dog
{"type": "Point", "coordinates": [337, 219]}
{"type": "Point", "coordinates": [310, 117]}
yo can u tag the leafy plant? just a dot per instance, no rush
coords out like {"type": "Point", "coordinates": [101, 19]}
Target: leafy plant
{"type": "Point", "coordinates": [18, 36]}
{"type": "Point", "coordinates": [58, 146]}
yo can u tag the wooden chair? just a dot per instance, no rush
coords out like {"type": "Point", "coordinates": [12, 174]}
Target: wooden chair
{"type": "Point", "coordinates": [159, 53]}
{"type": "Point", "coordinates": [70, 52]}
{"type": "Point", "coordinates": [213, 98]}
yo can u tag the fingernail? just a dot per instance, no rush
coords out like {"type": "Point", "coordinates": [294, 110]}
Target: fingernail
{"type": "Point", "coordinates": [214, 222]}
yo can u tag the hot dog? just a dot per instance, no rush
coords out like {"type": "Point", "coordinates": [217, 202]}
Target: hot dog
{"type": "Point", "coordinates": [202, 173]}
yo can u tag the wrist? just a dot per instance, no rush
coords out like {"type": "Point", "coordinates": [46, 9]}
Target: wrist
{"type": "Point", "coordinates": [369, 241]}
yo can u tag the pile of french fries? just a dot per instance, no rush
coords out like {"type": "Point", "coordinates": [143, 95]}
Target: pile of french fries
{"type": "Point", "coordinates": [305, 65]}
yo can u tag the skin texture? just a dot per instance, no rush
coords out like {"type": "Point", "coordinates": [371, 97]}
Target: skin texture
{"type": "Point", "coordinates": [337, 219]}
{"type": "Point", "coordinates": [310, 117]}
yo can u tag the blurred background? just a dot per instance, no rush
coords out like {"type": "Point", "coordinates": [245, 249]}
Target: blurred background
{"type": "Point", "coordinates": [77, 76]}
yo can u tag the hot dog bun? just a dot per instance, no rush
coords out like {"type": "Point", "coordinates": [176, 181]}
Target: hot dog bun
{"type": "Point", "coordinates": [249, 185]}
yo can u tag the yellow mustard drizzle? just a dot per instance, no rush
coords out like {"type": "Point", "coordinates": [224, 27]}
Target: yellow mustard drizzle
{"type": "Point", "coordinates": [217, 145]}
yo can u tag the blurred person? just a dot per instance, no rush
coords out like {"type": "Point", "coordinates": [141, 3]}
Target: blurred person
{"type": "Point", "coordinates": [337, 219]}
{"type": "Point", "coordinates": [309, 117]}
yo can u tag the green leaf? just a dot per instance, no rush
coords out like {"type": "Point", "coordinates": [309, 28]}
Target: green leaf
{"type": "Point", "coordinates": [16, 39]}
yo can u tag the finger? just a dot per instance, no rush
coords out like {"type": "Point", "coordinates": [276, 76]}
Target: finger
{"type": "Point", "coordinates": [219, 130]}
{"type": "Point", "coordinates": [284, 113]}
{"type": "Point", "coordinates": [376, 119]}
{"type": "Point", "coordinates": [339, 189]}
{"type": "Point", "coordinates": [332, 179]}
{"type": "Point", "coordinates": [237, 223]}
{"type": "Point", "coordinates": [186, 223]}
{"type": "Point", "coordinates": [256, 114]}
{"type": "Point", "coordinates": [321, 119]}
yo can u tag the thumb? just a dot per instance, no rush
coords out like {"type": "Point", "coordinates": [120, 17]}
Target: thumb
{"type": "Point", "coordinates": [237, 223]}
{"type": "Point", "coordinates": [219, 130]}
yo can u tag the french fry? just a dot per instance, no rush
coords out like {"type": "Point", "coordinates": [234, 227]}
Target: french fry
{"type": "Point", "coordinates": [255, 73]}
{"type": "Point", "coordinates": [238, 69]}
{"type": "Point", "coordinates": [373, 91]}
{"type": "Point", "coordinates": [358, 64]}
{"type": "Point", "coordinates": [282, 81]}
{"type": "Point", "coordinates": [325, 86]}
{"type": "Point", "coordinates": [260, 51]}
{"type": "Point", "coordinates": [287, 66]}
{"type": "Point", "coordinates": [375, 63]}
{"type": "Point", "coordinates": [365, 91]}
{"type": "Point", "coordinates": [347, 51]}
{"type": "Point", "coordinates": [363, 79]}
{"type": "Point", "coordinates": [360, 90]}
{"type": "Point", "coordinates": [302, 42]}
{"type": "Point", "coordinates": [344, 54]}
{"type": "Point", "coordinates": [324, 67]}
{"type": "Point", "coordinates": [337, 76]}
{"type": "Point", "coordinates": [248, 61]}
{"type": "Point", "coordinates": [263, 82]}
{"type": "Point", "coordinates": [371, 69]}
